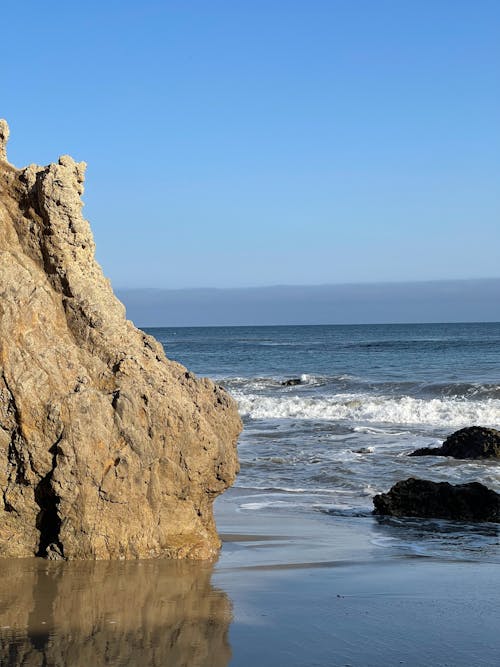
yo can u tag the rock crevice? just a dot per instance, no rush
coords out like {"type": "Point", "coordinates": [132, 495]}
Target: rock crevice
{"type": "Point", "coordinates": [109, 449]}
{"type": "Point", "coordinates": [48, 520]}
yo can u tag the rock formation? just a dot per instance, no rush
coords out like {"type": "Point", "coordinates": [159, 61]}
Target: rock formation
{"type": "Point", "coordinates": [107, 449]}
{"type": "Point", "coordinates": [423, 498]}
{"type": "Point", "coordinates": [473, 442]}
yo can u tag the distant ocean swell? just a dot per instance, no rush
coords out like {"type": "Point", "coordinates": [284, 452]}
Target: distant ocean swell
{"type": "Point", "coordinates": [353, 384]}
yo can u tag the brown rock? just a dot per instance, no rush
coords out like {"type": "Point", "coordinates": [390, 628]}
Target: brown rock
{"type": "Point", "coordinates": [107, 449]}
{"type": "Point", "coordinates": [4, 137]}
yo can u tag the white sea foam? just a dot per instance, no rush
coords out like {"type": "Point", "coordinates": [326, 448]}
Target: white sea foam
{"type": "Point", "coordinates": [269, 503]}
{"type": "Point", "coordinates": [270, 382]}
{"type": "Point", "coordinates": [371, 430]}
{"type": "Point", "coordinates": [361, 408]}
{"type": "Point", "coordinates": [301, 490]}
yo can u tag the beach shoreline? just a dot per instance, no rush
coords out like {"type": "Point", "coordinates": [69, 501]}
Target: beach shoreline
{"type": "Point", "coordinates": [287, 589]}
{"type": "Point", "coordinates": [307, 576]}
{"type": "Point", "coordinates": [323, 591]}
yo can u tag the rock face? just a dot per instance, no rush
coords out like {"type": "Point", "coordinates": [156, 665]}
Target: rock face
{"type": "Point", "coordinates": [108, 450]}
{"type": "Point", "coordinates": [422, 498]}
{"type": "Point", "coordinates": [474, 442]}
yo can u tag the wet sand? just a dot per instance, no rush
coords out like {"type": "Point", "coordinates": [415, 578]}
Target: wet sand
{"type": "Point", "coordinates": [287, 590]}
{"type": "Point", "coordinates": [120, 613]}
{"type": "Point", "coordinates": [323, 592]}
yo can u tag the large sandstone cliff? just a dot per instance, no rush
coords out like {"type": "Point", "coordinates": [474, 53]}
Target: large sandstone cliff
{"type": "Point", "coordinates": [107, 448]}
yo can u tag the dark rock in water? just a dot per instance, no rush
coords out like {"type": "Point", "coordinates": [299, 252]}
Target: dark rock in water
{"type": "Point", "coordinates": [291, 383]}
{"type": "Point", "coordinates": [474, 442]}
{"type": "Point", "coordinates": [441, 500]}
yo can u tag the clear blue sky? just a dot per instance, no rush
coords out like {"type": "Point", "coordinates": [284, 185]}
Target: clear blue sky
{"type": "Point", "coordinates": [255, 142]}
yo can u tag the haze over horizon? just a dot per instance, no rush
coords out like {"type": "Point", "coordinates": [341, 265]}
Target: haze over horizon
{"type": "Point", "coordinates": [235, 144]}
{"type": "Point", "coordinates": [369, 303]}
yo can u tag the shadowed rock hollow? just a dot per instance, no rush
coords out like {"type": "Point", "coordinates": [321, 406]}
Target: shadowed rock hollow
{"type": "Point", "coordinates": [107, 448]}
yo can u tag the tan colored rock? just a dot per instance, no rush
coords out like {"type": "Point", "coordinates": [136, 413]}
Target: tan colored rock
{"type": "Point", "coordinates": [4, 137]}
{"type": "Point", "coordinates": [107, 448]}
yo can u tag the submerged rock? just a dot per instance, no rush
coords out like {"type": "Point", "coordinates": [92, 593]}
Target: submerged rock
{"type": "Point", "coordinates": [107, 448]}
{"type": "Point", "coordinates": [473, 442]}
{"type": "Point", "coordinates": [423, 498]}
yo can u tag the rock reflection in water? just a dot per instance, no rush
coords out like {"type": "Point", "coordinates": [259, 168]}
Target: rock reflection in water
{"type": "Point", "coordinates": [112, 613]}
{"type": "Point", "coordinates": [439, 538]}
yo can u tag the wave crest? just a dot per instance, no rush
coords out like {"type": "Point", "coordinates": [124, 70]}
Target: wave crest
{"type": "Point", "coordinates": [372, 409]}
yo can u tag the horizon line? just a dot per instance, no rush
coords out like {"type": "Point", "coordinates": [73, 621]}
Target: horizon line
{"type": "Point", "coordinates": [302, 285]}
{"type": "Point", "coordinates": [326, 324]}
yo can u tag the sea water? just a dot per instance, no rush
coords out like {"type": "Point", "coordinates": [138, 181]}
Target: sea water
{"type": "Point", "coordinates": [343, 586]}
{"type": "Point", "coordinates": [366, 397]}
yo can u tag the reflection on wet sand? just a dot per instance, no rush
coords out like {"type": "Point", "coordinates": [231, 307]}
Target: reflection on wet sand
{"type": "Point", "coordinates": [438, 538]}
{"type": "Point", "coordinates": [105, 613]}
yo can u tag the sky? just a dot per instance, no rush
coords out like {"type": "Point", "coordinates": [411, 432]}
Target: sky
{"type": "Point", "coordinates": [268, 142]}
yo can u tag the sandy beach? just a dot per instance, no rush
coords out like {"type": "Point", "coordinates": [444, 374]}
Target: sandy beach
{"type": "Point", "coordinates": [287, 590]}
{"type": "Point", "coordinates": [330, 592]}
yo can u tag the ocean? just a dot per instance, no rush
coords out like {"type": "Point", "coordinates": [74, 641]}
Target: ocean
{"type": "Point", "coordinates": [307, 575]}
{"type": "Point", "coordinates": [364, 397]}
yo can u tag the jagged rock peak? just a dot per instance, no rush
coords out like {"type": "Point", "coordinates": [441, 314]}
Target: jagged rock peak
{"type": "Point", "coordinates": [107, 448]}
{"type": "Point", "coordinates": [4, 138]}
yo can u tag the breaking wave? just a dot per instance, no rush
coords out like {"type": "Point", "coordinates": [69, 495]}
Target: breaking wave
{"type": "Point", "coordinates": [367, 408]}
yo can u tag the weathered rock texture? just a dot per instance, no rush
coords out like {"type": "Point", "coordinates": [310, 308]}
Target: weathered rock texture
{"type": "Point", "coordinates": [473, 442]}
{"type": "Point", "coordinates": [107, 449]}
{"type": "Point", "coordinates": [423, 498]}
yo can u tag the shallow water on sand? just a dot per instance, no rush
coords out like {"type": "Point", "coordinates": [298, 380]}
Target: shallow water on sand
{"type": "Point", "coordinates": [365, 397]}
{"type": "Point", "coordinates": [297, 593]}
{"type": "Point", "coordinates": [307, 575]}
{"type": "Point", "coordinates": [119, 613]}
